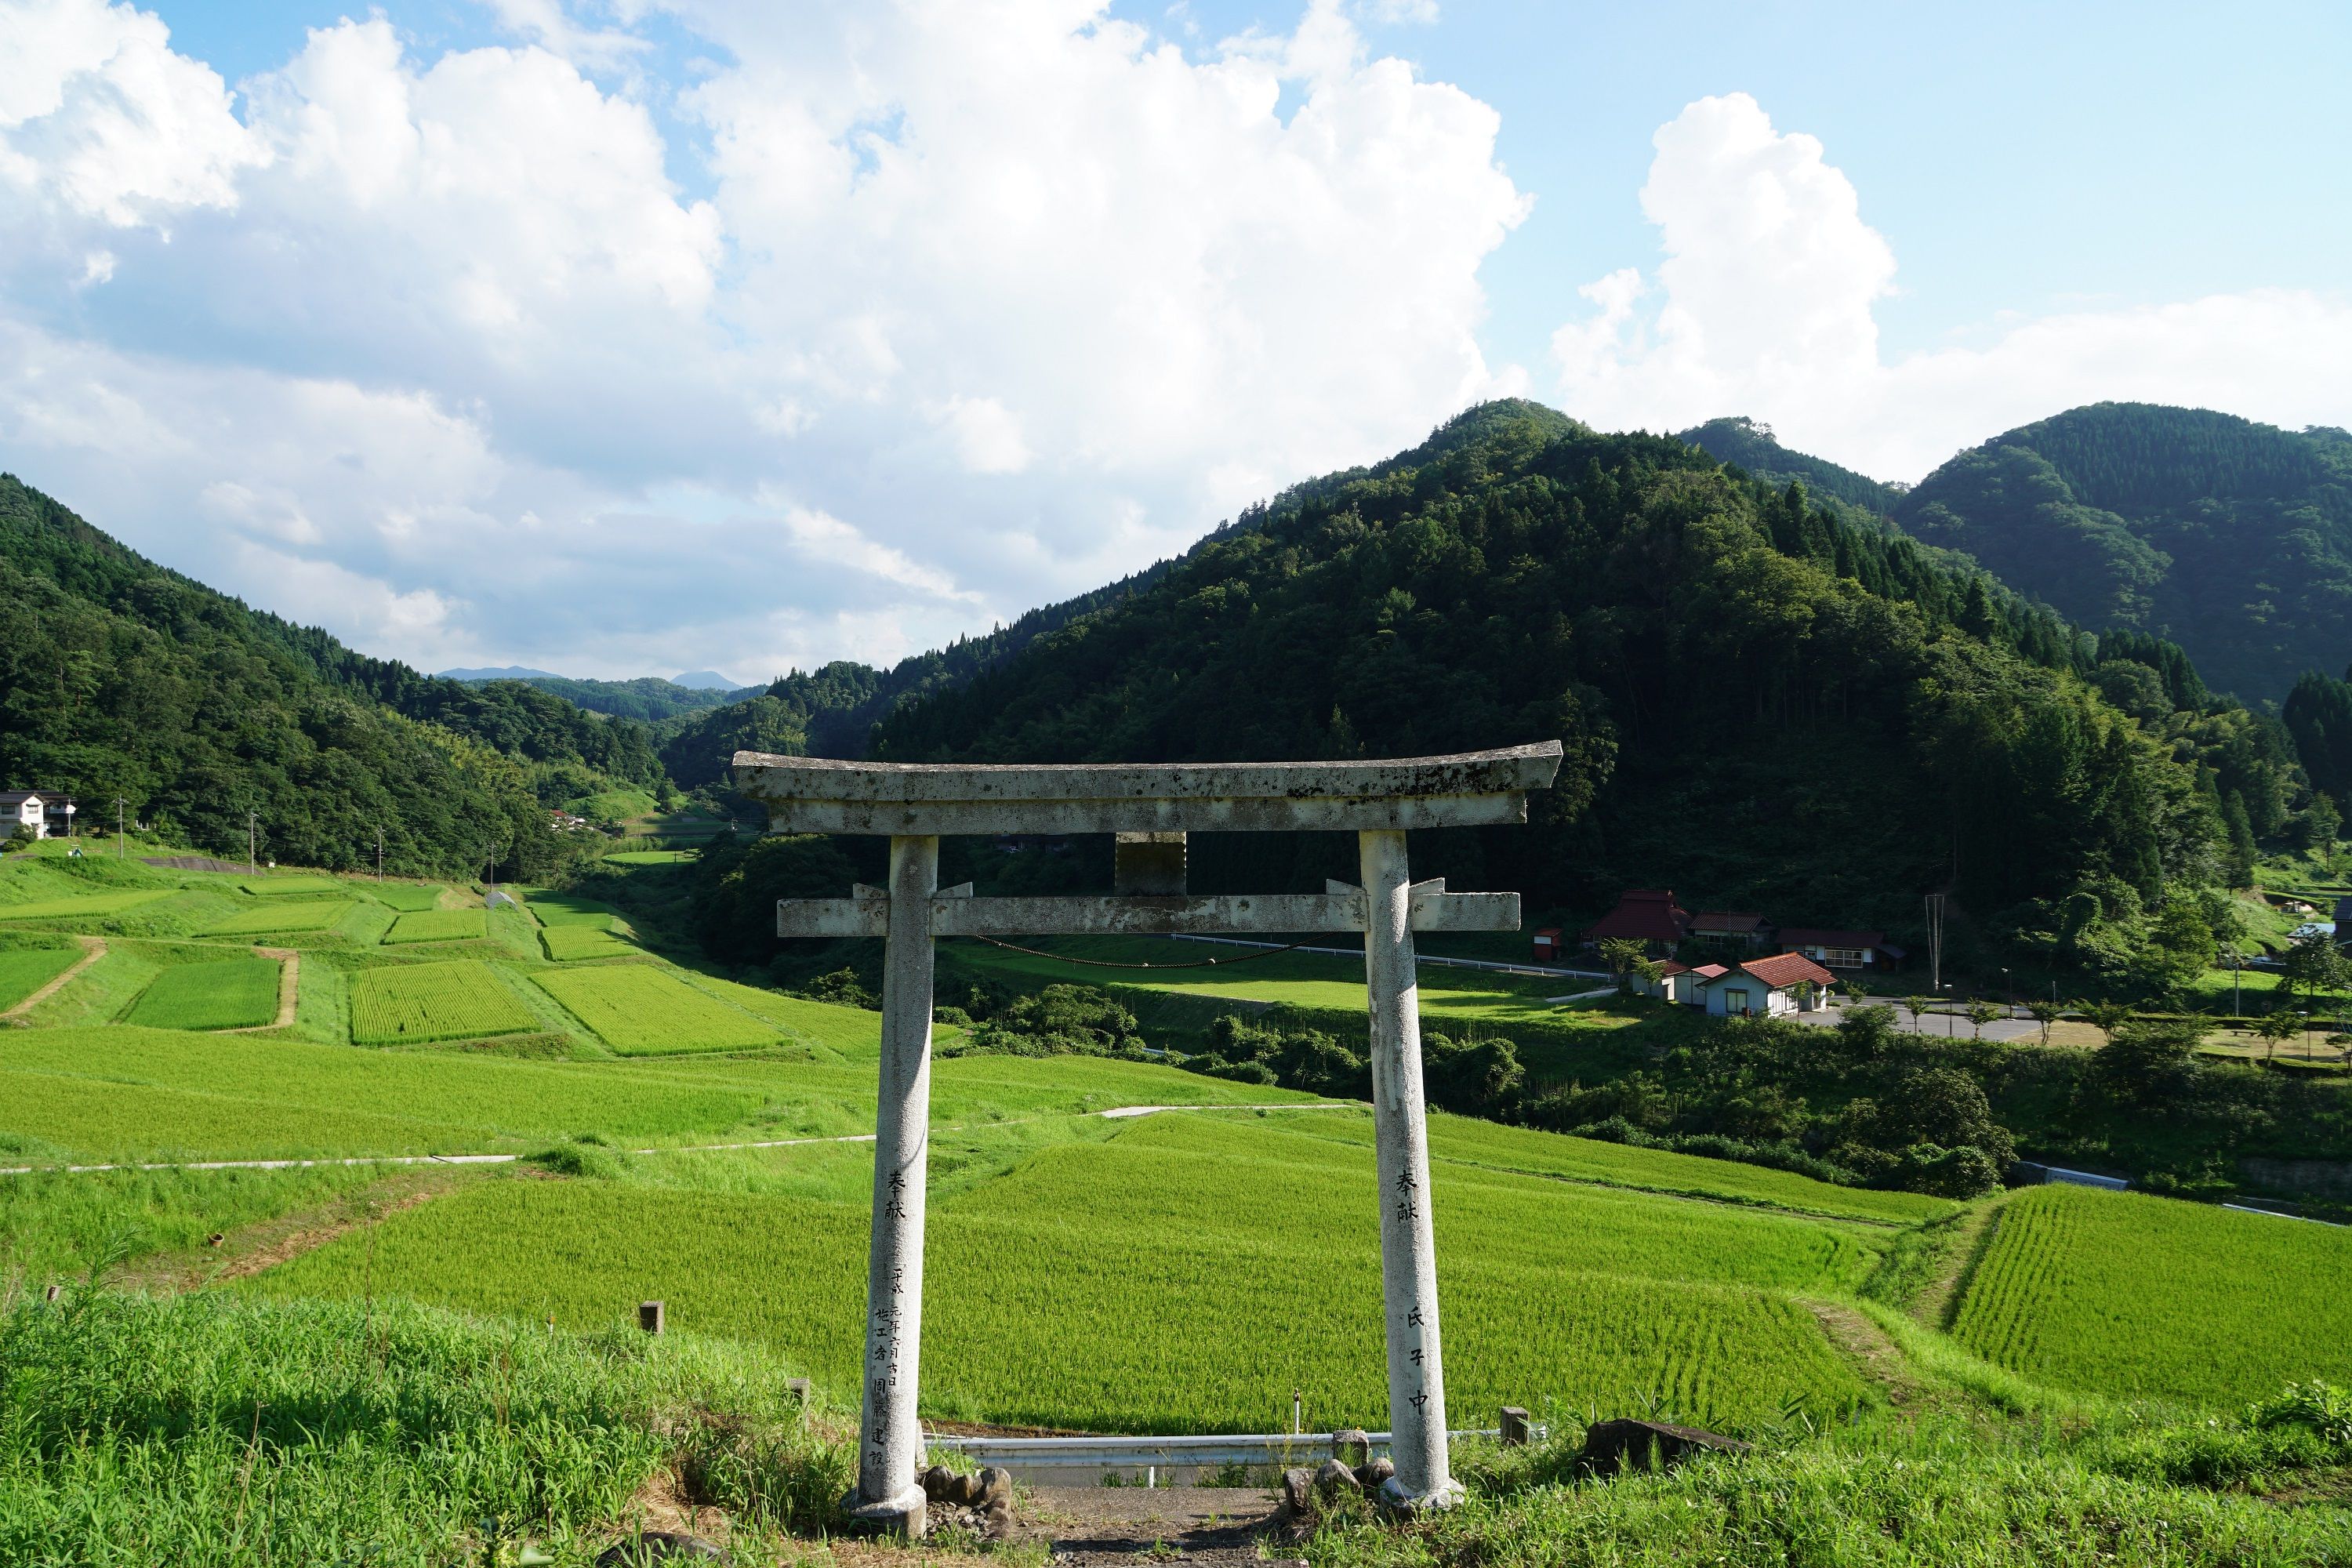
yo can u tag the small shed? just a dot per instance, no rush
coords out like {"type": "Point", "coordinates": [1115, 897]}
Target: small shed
{"type": "Point", "coordinates": [1547, 945]}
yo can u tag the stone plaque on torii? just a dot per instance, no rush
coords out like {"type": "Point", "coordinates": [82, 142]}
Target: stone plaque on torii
{"type": "Point", "coordinates": [1148, 808]}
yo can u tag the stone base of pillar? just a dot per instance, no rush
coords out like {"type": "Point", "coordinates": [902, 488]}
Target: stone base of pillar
{"type": "Point", "coordinates": [908, 1514]}
{"type": "Point", "coordinates": [1395, 1496]}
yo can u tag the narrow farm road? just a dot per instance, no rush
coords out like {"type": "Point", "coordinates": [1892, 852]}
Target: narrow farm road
{"type": "Point", "coordinates": [1870, 1348]}
{"type": "Point", "coordinates": [93, 948]}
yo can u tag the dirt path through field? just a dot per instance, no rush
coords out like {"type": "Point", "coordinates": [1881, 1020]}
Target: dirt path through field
{"type": "Point", "coordinates": [257, 1248]}
{"type": "Point", "coordinates": [1938, 1302]}
{"type": "Point", "coordinates": [289, 987]}
{"type": "Point", "coordinates": [1211, 1525]}
{"type": "Point", "coordinates": [93, 948]}
{"type": "Point", "coordinates": [1875, 1355]}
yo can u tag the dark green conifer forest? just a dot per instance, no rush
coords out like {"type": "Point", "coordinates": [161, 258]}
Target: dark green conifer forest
{"type": "Point", "coordinates": [2229, 537]}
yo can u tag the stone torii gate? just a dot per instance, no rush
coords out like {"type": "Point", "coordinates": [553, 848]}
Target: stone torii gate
{"type": "Point", "coordinates": [1149, 808]}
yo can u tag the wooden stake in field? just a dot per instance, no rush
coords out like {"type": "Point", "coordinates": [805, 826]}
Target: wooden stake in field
{"type": "Point", "coordinates": [1149, 809]}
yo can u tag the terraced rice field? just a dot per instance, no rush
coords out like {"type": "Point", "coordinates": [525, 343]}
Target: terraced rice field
{"type": "Point", "coordinates": [271, 919]}
{"type": "Point", "coordinates": [638, 1009]}
{"type": "Point", "coordinates": [1100, 1285]}
{"type": "Point", "coordinates": [2117, 1294]}
{"type": "Point", "coordinates": [115, 1092]}
{"type": "Point", "coordinates": [569, 944]}
{"type": "Point", "coordinates": [1521, 1149]}
{"type": "Point", "coordinates": [227, 994]}
{"type": "Point", "coordinates": [405, 895]}
{"type": "Point", "coordinates": [66, 913]}
{"type": "Point", "coordinates": [416, 1003]}
{"type": "Point", "coordinates": [24, 971]}
{"type": "Point", "coordinates": [281, 887]}
{"type": "Point", "coordinates": [438, 925]}
{"type": "Point", "coordinates": [565, 909]}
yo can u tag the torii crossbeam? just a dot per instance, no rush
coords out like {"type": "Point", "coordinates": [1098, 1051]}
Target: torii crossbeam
{"type": "Point", "coordinates": [1149, 808]}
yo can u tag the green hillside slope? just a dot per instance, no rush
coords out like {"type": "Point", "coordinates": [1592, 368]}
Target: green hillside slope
{"type": "Point", "coordinates": [118, 677]}
{"type": "Point", "coordinates": [1757, 699]}
{"type": "Point", "coordinates": [2232, 539]}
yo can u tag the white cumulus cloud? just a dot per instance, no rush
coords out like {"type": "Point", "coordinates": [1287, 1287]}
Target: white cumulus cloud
{"type": "Point", "coordinates": [932, 309]}
{"type": "Point", "coordinates": [1764, 304]}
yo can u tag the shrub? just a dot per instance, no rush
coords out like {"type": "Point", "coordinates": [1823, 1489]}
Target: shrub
{"type": "Point", "coordinates": [1062, 1020]}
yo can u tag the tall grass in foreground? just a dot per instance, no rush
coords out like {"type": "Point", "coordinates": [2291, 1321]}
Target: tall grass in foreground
{"type": "Point", "coordinates": [2121, 1492]}
{"type": "Point", "coordinates": [197, 1431]}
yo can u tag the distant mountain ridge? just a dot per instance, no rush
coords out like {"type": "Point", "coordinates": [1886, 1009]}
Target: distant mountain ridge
{"type": "Point", "coordinates": [1759, 696]}
{"type": "Point", "coordinates": [2231, 538]}
{"type": "Point", "coordinates": [1750, 446]}
{"type": "Point", "coordinates": [648, 699]}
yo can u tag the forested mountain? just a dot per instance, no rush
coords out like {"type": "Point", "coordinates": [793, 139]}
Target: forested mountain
{"type": "Point", "coordinates": [1762, 701]}
{"type": "Point", "coordinates": [118, 677]}
{"type": "Point", "coordinates": [1748, 444]}
{"type": "Point", "coordinates": [2232, 539]}
{"type": "Point", "coordinates": [832, 712]}
{"type": "Point", "coordinates": [649, 698]}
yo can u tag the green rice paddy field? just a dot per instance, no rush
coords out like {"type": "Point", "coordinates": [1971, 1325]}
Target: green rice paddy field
{"type": "Point", "coordinates": [438, 925]}
{"type": "Point", "coordinates": [462, 999]}
{"type": "Point", "coordinates": [2142, 1296]}
{"type": "Point", "coordinates": [225, 993]}
{"type": "Point", "coordinates": [1179, 1271]}
{"type": "Point", "coordinates": [24, 971]}
{"type": "Point", "coordinates": [283, 918]}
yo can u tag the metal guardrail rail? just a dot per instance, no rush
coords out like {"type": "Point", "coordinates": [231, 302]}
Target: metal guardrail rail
{"type": "Point", "coordinates": [1128, 1453]}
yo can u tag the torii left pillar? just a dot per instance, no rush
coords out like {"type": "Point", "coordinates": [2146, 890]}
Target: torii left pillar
{"type": "Point", "coordinates": [891, 1432]}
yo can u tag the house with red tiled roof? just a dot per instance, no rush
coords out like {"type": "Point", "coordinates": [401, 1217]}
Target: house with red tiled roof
{"type": "Point", "coordinates": [1647, 915]}
{"type": "Point", "coordinates": [1766, 987]}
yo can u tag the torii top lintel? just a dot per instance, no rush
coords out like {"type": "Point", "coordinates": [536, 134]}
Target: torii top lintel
{"type": "Point", "coordinates": [819, 794]}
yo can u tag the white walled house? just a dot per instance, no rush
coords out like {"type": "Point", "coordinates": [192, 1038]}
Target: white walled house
{"type": "Point", "coordinates": [24, 807]}
{"type": "Point", "coordinates": [1767, 987]}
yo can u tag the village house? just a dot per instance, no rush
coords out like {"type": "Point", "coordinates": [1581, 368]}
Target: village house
{"type": "Point", "coordinates": [1842, 949]}
{"type": "Point", "coordinates": [1767, 987]}
{"type": "Point", "coordinates": [1647, 915]}
{"type": "Point", "coordinates": [24, 807]}
{"type": "Point", "coordinates": [1719, 931]}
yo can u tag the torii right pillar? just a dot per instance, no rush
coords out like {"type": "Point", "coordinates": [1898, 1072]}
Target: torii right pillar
{"type": "Point", "coordinates": [1417, 1433]}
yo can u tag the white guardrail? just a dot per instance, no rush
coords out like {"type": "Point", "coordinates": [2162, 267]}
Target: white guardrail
{"type": "Point", "coordinates": [1131, 1453]}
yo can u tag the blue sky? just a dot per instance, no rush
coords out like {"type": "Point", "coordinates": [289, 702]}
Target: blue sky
{"type": "Point", "coordinates": [624, 337]}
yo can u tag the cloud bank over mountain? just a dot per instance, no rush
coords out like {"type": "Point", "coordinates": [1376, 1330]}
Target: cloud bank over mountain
{"type": "Point", "coordinates": [1764, 306]}
{"type": "Point", "coordinates": [838, 330]}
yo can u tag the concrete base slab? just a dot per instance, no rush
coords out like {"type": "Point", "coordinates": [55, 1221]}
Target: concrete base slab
{"type": "Point", "coordinates": [907, 1514]}
{"type": "Point", "coordinates": [1395, 1496]}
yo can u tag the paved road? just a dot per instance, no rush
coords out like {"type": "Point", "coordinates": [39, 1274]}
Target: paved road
{"type": "Point", "coordinates": [1932, 1023]}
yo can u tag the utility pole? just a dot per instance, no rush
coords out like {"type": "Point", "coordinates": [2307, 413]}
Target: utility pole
{"type": "Point", "coordinates": [379, 851]}
{"type": "Point", "coordinates": [252, 842]}
{"type": "Point", "coordinates": [1936, 942]}
{"type": "Point", "coordinates": [121, 850]}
